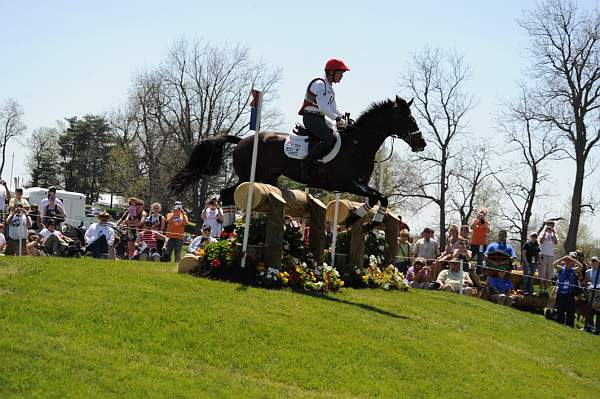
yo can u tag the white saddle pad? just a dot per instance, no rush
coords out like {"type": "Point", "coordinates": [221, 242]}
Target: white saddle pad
{"type": "Point", "coordinates": [297, 147]}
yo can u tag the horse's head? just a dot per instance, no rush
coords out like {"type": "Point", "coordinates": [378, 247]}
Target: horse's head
{"type": "Point", "coordinates": [404, 125]}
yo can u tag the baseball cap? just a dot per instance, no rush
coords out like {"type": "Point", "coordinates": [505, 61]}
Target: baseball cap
{"type": "Point", "coordinates": [595, 258]}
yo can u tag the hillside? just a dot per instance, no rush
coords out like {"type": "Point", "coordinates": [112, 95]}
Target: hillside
{"type": "Point", "coordinates": [86, 328]}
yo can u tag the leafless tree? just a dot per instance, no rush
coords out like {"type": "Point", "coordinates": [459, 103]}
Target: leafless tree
{"type": "Point", "coordinates": [436, 80]}
{"type": "Point", "coordinates": [533, 143]}
{"type": "Point", "coordinates": [207, 92]}
{"type": "Point", "coordinates": [565, 51]}
{"type": "Point", "coordinates": [11, 122]}
{"type": "Point", "coordinates": [471, 172]}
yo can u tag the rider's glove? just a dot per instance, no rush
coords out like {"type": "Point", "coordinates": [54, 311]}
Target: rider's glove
{"type": "Point", "coordinates": [341, 123]}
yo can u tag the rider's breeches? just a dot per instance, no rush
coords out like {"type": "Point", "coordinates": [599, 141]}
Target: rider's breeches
{"type": "Point", "coordinates": [318, 127]}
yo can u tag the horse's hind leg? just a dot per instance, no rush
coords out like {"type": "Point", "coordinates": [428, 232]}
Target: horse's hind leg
{"type": "Point", "coordinates": [228, 206]}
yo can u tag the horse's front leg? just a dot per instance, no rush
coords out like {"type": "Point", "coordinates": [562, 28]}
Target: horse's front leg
{"type": "Point", "coordinates": [374, 197]}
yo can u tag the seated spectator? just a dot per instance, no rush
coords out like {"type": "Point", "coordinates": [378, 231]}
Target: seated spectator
{"type": "Point", "coordinates": [404, 251]}
{"type": "Point", "coordinates": [100, 237]}
{"type": "Point", "coordinates": [453, 240]}
{"type": "Point", "coordinates": [2, 239]}
{"type": "Point", "coordinates": [34, 246]}
{"type": "Point", "coordinates": [450, 279]}
{"type": "Point", "coordinates": [18, 199]}
{"type": "Point", "coordinates": [19, 224]}
{"type": "Point", "coordinates": [201, 240]}
{"type": "Point", "coordinates": [146, 243]}
{"type": "Point", "coordinates": [500, 287]}
{"type": "Point", "coordinates": [461, 253]}
{"type": "Point", "coordinates": [418, 274]}
{"type": "Point", "coordinates": [4, 198]}
{"type": "Point", "coordinates": [51, 208]}
{"type": "Point", "coordinates": [426, 247]}
{"type": "Point", "coordinates": [54, 242]}
{"type": "Point", "coordinates": [566, 288]}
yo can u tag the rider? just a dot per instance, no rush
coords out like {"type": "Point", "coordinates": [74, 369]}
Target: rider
{"type": "Point", "coordinates": [319, 102]}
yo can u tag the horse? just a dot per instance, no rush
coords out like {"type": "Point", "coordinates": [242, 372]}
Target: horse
{"type": "Point", "coordinates": [350, 171]}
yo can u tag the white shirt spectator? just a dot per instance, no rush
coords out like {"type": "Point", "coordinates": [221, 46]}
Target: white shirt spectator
{"type": "Point", "coordinates": [45, 233]}
{"type": "Point", "coordinates": [547, 247]}
{"type": "Point", "coordinates": [198, 242]}
{"type": "Point", "coordinates": [211, 218]}
{"type": "Point", "coordinates": [97, 230]}
{"type": "Point", "coordinates": [19, 226]}
{"type": "Point", "coordinates": [2, 240]}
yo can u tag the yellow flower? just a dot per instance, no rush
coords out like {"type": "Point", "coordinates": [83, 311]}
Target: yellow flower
{"type": "Point", "coordinates": [200, 252]}
{"type": "Point", "coordinates": [341, 283]}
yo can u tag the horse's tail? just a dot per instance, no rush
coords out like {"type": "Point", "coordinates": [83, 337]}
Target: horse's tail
{"type": "Point", "coordinates": [206, 159]}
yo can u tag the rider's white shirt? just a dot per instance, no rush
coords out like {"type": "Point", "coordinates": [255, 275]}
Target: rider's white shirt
{"type": "Point", "coordinates": [325, 96]}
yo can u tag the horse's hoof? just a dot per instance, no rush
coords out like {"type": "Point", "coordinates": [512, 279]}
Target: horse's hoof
{"type": "Point", "coordinates": [350, 219]}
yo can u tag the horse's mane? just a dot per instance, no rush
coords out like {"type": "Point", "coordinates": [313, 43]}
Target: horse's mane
{"type": "Point", "coordinates": [377, 107]}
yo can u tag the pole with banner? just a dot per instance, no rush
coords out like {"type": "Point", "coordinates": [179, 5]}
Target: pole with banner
{"type": "Point", "coordinates": [255, 110]}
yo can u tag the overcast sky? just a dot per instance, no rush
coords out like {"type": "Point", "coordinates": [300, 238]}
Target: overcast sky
{"type": "Point", "coordinates": [70, 58]}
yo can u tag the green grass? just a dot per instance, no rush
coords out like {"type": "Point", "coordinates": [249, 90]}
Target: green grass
{"type": "Point", "coordinates": [85, 328]}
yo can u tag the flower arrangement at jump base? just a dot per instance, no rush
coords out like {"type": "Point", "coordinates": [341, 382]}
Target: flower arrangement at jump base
{"type": "Point", "coordinates": [321, 279]}
{"type": "Point", "coordinates": [388, 278]}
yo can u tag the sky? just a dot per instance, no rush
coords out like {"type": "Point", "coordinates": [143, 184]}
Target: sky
{"type": "Point", "coordinates": [70, 58]}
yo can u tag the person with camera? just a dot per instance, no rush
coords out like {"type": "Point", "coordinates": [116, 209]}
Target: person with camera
{"type": "Point", "coordinates": [146, 243]}
{"type": "Point", "coordinates": [4, 198]}
{"type": "Point", "coordinates": [18, 199]}
{"type": "Point", "coordinates": [212, 215]}
{"type": "Point", "coordinates": [567, 288]}
{"type": "Point", "coordinates": [548, 242]}
{"type": "Point", "coordinates": [480, 228]}
{"type": "Point", "coordinates": [19, 223]}
{"type": "Point", "coordinates": [201, 240]}
{"type": "Point", "coordinates": [177, 219]}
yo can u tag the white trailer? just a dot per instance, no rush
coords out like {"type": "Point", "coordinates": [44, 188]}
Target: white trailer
{"type": "Point", "coordinates": [74, 203]}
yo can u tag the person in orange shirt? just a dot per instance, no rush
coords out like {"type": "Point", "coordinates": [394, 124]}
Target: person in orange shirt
{"type": "Point", "coordinates": [479, 232]}
{"type": "Point", "coordinates": [176, 221]}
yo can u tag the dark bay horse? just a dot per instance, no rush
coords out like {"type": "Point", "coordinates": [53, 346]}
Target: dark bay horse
{"type": "Point", "coordinates": [350, 171]}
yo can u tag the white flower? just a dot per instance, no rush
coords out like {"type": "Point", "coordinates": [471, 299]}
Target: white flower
{"type": "Point", "coordinates": [386, 286]}
{"type": "Point", "coordinates": [381, 247]}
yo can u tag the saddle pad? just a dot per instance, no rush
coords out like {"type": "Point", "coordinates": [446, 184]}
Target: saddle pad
{"type": "Point", "coordinates": [296, 147]}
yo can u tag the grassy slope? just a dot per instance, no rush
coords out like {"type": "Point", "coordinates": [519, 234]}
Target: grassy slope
{"type": "Point", "coordinates": [85, 328]}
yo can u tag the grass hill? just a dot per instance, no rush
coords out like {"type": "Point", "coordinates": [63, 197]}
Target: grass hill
{"type": "Point", "coordinates": [81, 328]}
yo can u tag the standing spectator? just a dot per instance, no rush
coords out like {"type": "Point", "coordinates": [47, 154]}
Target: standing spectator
{"type": "Point", "coordinates": [402, 225]}
{"type": "Point", "coordinates": [134, 218]}
{"type": "Point", "coordinates": [54, 241]}
{"type": "Point", "coordinates": [201, 240]}
{"type": "Point", "coordinates": [328, 235]}
{"type": "Point", "coordinates": [566, 285]}
{"type": "Point", "coordinates": [176, 222]}
{"type": "Point", "coordinates": [464, 232]}
{"type": "Point", "coordinates": [212, 215]}
{"type": "Point", "coordinates": [403, 262]}
{"type": "Point", "coordinates": [4, 198]}
{"type": "Point", "coordinates": [426, 247]}
{"type": "Point", "coordinates": [35, 217]}
{"type": "Point", "coordinates": [453, 240]}
{"type": "Point", "coordinates": [18, 199]}
{"type": "Point", "coordinates": [500, 288]}
{"type": "Point", "coordinates": [548, 242]}
{"type": "Point", "coordinates": [146, 243]}
{"type": "Point", "coordinates": [2, 239]}
{"type": "Point", "coordinates": [530, 256]}
{"type": "Point", "coordinates": [100, 237]}
{"type": "Point", "coordinates": [500, 254]}
{"type": "Point", "coordinates": [159, 224]}
{"type": "Point", "coordinates": [480, 228]}
{"type": "Point", "coordinates": [592, 282]}
{"type": "Point", "coordinates": [19, 224]}
{"type": "Point", "coordinates": [51, 208]}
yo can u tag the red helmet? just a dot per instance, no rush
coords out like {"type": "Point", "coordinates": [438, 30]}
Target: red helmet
{"type": "Point", "coordinates": [336, 64]}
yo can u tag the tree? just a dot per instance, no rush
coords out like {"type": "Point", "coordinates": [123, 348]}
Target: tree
{"type": "Point", "coordinates": [565, 51]}
{"type": "Point", "coordinates": [45, 154]}
{"type": "Point", "coordinates": [534, 144]}
{"type": "Point", "coordinates": [206, 92]}
{"type": "Point", "coordinates": [11, 120]}
{"type": "Point", "coordinates": [85, 151]}
{"type": "Point", "coordinates": [436, 80]}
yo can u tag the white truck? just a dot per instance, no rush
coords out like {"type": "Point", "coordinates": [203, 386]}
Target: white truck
{"type": "Point", "coordinates": [74, 203]}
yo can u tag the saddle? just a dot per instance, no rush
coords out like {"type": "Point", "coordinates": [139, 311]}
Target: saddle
{"type": "Point", "coordinates": [297, 143]}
